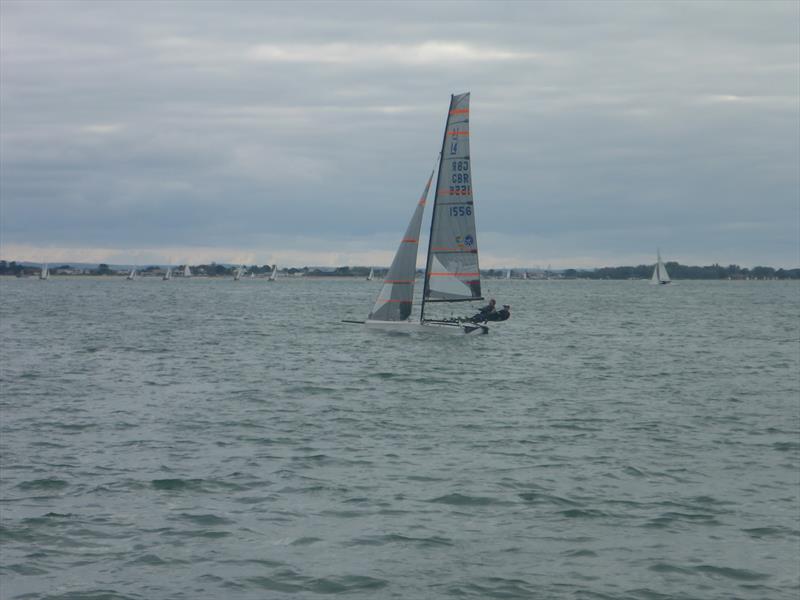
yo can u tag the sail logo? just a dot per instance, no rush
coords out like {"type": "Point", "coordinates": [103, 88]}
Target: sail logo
{"type": "Point", "coordinates": [469, 241]}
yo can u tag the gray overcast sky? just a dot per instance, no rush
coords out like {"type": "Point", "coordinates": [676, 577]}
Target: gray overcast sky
{"type": "Point", "coordinates": [302, 133]}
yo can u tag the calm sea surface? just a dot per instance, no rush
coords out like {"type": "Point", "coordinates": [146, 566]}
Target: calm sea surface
{"type": "Point", "coordinates": [210, 439]}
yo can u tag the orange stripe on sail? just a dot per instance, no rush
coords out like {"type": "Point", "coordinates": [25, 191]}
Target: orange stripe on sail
{"type": "Point", "coordinates": [409, 240]}
{"type": "Point", "coordinates": [459, 133]}
{"type": "Point", "coordinates": [460, 111]}
{"type": "Point", "coordinates": [454, 274]}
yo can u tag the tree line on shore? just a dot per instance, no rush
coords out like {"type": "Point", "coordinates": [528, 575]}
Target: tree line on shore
{"type": "Point", "coordinates": [679, 271]}
{"type": "Point", "coordinates": [676, 271]}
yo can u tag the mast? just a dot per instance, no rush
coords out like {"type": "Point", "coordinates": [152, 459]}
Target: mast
{"type": "Point", "coordinates": [433, 215]}
{"type": "Point", "coordinates": [658, 264]}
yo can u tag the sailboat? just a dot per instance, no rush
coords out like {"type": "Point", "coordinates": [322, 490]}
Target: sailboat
{"type": "Point", "coordinates": [508, 274]}
{"type": "Point", "coordinates": [132, 274]}
{"type": "Point", "coordinates": [168, 274]}
{"type": "Point", "coordinates": [187, 272]}
{"type": "Point", "coordinates": [451, 269]}
{"type": "Point", "coordinates": [238, 274]}
{"type": "Point", "coordinates": [274, 274]}
{"type": "Point", "coordinates": [660, 275]}
{"type": "Point", "coordinates": [371, 275]}
{"type": "Point", "coordinates": [45, 274]}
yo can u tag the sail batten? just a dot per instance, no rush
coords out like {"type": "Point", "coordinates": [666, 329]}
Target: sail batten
{"type": "Point", "coordinates": [452, 272]}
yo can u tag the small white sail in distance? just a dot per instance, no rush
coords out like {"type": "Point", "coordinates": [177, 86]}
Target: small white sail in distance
{"type": "Point", "coordinates": [45, 274]}
{"type": "Point", "coordinates": [660, 275]}
{"type": "Point", "coordinates": [187, 272]}
{"type": "Point", "coordinates": [371, 275]}
{"type": "Point", "coordinates": [274, 274]}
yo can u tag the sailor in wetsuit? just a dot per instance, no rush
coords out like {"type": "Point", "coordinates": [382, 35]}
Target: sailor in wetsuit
{"type": "Point", "coordinates": [501, 315]}
{"type": "Point", "coordinates": [484, 313]}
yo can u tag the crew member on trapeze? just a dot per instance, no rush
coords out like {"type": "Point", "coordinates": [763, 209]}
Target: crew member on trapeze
{"type": "Point", "coordinates": [490, 313]}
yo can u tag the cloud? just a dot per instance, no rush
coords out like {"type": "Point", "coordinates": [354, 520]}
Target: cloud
{"type": "Point", "coordinates": [597, 129]}
{"type": "Point", "coordinates": [425, 53]}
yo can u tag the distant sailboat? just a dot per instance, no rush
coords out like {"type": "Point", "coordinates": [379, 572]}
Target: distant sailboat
{"type": "Point", "coordinates": [132, 274]}
{"type": "Point", "coordinates": [371, 275]}
{"type": "Point", "coordinates": [508, 274]}
{"type": "Point", "coordinates": [168, 274]}
{"type": "Point", "coordinates": [660, 275]}
{"type": "Point", "coordinates": [451, 271]}
{"type": "Point", "coordinates": [45, 274]}
{"type": "Point", "coordinates": [239, 272]}
{"type": "Point", "coordinates": [274, 274]}
{"type": "Point", "coordinates": [187, 272]}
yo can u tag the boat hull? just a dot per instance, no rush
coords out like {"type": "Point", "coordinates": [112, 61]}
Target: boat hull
{"type": "Point", "coordinates": [428, 326]}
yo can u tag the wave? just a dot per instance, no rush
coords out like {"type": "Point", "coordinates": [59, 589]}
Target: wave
{"type": "Point", "coordinates": [195, 485]}
{"type": "Point", "coordinates": [43, 485]}
{"type": "Point", "coordinates": [291, 582]}
{"type": "Point", "coordinates": [457, 499]}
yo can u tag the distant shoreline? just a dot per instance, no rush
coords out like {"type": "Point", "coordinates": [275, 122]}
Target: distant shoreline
{"type": "Point", "coordinates": [214, 270]}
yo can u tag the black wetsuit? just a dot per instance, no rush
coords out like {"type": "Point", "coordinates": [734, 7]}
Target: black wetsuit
{"type": "Point", "coordinates": [484, 314]}
{"type": "Point", "coordinates": [501, 315]}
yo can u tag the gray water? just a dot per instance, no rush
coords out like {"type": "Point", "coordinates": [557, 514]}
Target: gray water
{"type": "Point", "coordinates": [211, 439]}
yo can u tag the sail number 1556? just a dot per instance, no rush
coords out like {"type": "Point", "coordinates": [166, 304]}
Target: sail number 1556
{"type": "Point", "coordinates": [460, 211]}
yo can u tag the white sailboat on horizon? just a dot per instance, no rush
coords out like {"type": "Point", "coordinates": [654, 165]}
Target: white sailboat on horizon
{"type": "Point", "coordinates": [274, 275]}
{"type": "Point", "coordinates": [132, 274]}
{"type": "Point", "coordinates": [45, 273]}
{"type": "Point", "coordinates": [451, 272]}
{"type": "Point", "coordinates": [238, 274]}
{"type": "Point", "coordinates": [660, 275]}
{"type": "Point", "coordinates": [168, 274]}
{"type": "Point", "coordinates": [371, 275]}
{"type": "Point", "coordinates": [187, 272]}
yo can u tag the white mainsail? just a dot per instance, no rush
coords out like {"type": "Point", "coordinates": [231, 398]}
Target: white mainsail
{"type": "Point", "coordinates": [238, 274]}
{"type": "Point", "coordinates": [132, 274]}
{"type": "Point", "coordinates": [45, 272]}
{"type": "Point", "coordinates": [274, 274]}
{"type": "Point", "coordinates": [168, 274]}
{"type": "Point", "coordinates": [187, 272]}
{"type": "Point", "coordinates": [451, 271]}
{"type": "Point", "coordinates": [397, 293]}
{"type": "Point", "coordinates": [371, 275]}
{"type": "Point", "coordinates": [660, 275]}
